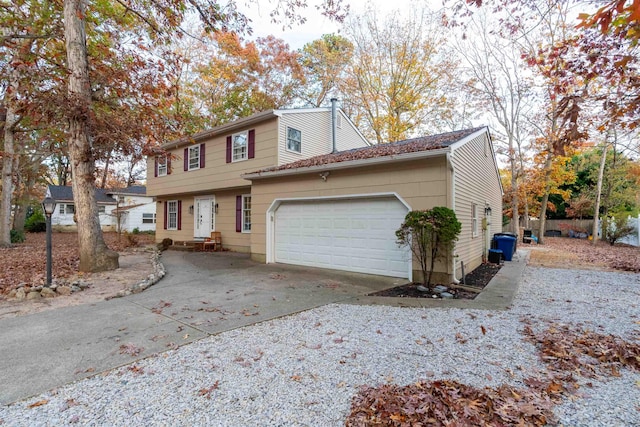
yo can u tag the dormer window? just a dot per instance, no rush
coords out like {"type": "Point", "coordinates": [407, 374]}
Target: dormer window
{"type": "Point", "coordinates": [240, 145]}
{"type": "Point", "coordinates": [294, 140]}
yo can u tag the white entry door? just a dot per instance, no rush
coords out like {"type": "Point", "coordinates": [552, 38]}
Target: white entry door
{"type": "Point", "coordinates": [204, 216]}
{"type": "Point", "coordinates": [354, 235]}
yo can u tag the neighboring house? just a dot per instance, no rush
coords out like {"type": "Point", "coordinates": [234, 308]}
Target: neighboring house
{"type": "Point", "coordinates": [333, 210]}
{"type": "Point", "coordinates": [128, 208]}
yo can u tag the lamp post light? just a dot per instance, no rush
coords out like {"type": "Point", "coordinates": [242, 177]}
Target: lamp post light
{"type": "Point", "coordinates": [48, 206]}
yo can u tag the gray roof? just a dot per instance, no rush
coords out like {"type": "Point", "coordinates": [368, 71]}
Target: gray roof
{"type": "Point", "coordinates": [139, 190]}
{"type": "Point", "coordinates": [63, 193]}
{"type": "Point", "coordinates": [424, 143]}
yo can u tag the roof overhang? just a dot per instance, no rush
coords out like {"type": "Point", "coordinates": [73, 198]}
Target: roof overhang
{"type": "Point", "coordinates": [222, 129]}
{"type": "Point", "coordinates": [403, 157]}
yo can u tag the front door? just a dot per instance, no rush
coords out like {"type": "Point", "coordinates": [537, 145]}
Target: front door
{"type": "Point", "coordinates": [204, 216]}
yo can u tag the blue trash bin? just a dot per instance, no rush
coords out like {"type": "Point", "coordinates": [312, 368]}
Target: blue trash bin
{"type": "Point", "coordinates": [507, 244]}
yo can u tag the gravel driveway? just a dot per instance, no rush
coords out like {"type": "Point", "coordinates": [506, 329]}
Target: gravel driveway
{"type": "Point", "coordinates": [304, 369]}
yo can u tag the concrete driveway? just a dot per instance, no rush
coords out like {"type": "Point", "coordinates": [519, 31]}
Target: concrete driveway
{"type": "Point", "coordinates": [202, 294]}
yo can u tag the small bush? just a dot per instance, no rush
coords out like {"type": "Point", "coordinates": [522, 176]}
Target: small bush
{"type": "Point", "coordinates": [615, 228]}
{"type": "Point", "coordinates": [36, 223]}
{"type": "Point", "coordinates": [166, 243]}
{"type": "Point", "coordinates": [135, 231]}
{"type": "Point", "coordinates": [17, 236]}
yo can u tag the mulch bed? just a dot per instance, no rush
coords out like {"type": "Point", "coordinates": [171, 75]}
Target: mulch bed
{"type": "Point", "coordinates": [478, 278]}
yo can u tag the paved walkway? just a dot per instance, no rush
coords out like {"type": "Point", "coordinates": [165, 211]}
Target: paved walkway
{"type": "Point", "coordinates": [202, 294]}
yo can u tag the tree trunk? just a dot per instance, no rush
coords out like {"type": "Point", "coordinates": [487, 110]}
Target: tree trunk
{"type": "Point", "coordinates": [11, 121]}
{"type": "Point", "coordinates": [545, 198]}
{"type": "Point", "coordinates": [94, 254]}
{"type": "Point", "coordinates": [596, 209]}
{"type": "Point", "coordinates": [515, 210]}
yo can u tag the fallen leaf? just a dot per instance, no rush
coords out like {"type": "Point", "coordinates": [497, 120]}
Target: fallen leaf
{"type": "Point", "coordinates": [38, 403]}
{"type": "Point", "coordinates": [482, 328]}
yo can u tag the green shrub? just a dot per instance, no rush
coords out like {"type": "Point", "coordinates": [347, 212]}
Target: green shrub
{"type": "Point", "coordinates": [17, 236]}
{"type": "Point", "coordinates": [36, 223]}
{"type": "Point", "coordinates": [429, 234]}
{"type": "Point", "coordinates": [135, 231]}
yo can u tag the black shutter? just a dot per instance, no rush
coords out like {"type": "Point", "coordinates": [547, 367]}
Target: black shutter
{"type": "Point", "coordinates": [155, 168]}
{"type": "Point", "coordinates": [186, 159]}
{"type": "Point", "coordinates": [252, 144]}
{"type": "Point", "coordinates": [238, 213]}
{"type": "Point", "coordinates": [229, 149]}
{"type": "Point", "coordinates": [201, 155]}
{"type": "Point", "coordinates": [165, 215]}
{"type": "Point", "coordinates": [179, 214]}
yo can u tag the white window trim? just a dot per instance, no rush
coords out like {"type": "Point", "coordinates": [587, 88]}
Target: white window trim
{"type": "Point", "coordinates": [64, 207]}
{"type": "Point", "coordinates": [165, 166]}
{"type": "Point", "coordinates": [194, 147]}
{"type": "Point", "coordinates": [153, 218]}
{"type": "Point", "coordinates": [474, 220]}
{"type": "Point", "coordinates": [169, 204]}
{"type": "Point", "coordinates": [246, 147]}
{"type": "Point", "coordinates": [287, 141]}
{"type": "Point", "coordinates": [102, 209]}
{"type": "Point", "coordinates": [244, 198]}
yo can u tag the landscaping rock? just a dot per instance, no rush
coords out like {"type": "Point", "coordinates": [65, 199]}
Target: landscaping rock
{"type": "Point", "coordinates": [446, 295]}
{"type": "Point", "coordinates": [440, 289]}
{"type": "Point", "coordinates": [75, 288]}
{"type": "Point", "coordinates": [33, 295]}
{"type": "Point", "coordinates": [47, 293]}
{"type": "Point", "coordinates": [63, 290]}
{"type": "Point", "coordinates": [20, 294]}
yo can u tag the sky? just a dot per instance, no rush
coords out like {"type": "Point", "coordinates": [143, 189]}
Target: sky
{"type": "Point", "coordinates": [316, 24]}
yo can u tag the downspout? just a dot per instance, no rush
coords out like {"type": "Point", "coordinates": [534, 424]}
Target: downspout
{"type": "Point", "coordinates": [453, 208]}
{"type": "Point", "coordinates": [333, 124]}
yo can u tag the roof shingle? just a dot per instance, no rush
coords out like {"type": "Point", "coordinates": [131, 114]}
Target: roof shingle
{"type": "Point", "coordinates": [424, 143]}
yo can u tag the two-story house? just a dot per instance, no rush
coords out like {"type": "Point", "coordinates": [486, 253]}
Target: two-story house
{"type": "Point", "coordinates": [199, 185]}
{"type": "Point", "coordinates": [304, 187]}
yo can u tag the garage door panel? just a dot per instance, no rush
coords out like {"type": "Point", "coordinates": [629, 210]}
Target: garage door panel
{"type": "Point", "coordinates": [354, 235]}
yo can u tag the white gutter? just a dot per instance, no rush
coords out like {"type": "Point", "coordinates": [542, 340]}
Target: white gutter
{"type": "Point", "coordinates": [348, 164]}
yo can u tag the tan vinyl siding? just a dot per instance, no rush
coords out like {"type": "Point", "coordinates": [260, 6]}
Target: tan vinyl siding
{"type": "Point", "coordinates": [225, 220]}
{"type": "Point", "coordinates": [347, 137]}
{"type": "Point", "coordinates": [476, 181]}
{"type": "Point", "coordinates": [316, 130]}
{"type": "Point", "coordinates": [421, 183]}
{"type": "Point", "coordinates": [217, 173]}
{"type": "Point", "coordinates": [316, 135]}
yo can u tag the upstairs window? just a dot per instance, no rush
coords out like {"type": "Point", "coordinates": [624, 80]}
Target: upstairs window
{"type": "Point", "coordinates": [240, 146]}
{"type": "Point", "coordinates": [294, 140]}
{"type": "Point", "coordinates": [162, 166]}
{"type": "Point", "coordinates": [102, 209]}
{"type": "Point", "coordinates": [194, 157]}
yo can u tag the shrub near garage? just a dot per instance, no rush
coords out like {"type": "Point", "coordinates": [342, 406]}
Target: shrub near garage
{"type": "Point", "coordinates": [429, 234]}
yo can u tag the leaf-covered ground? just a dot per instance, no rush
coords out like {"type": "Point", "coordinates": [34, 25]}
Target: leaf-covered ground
{"type": "Point", "coordinates": [567, 351]}
{"type": "Point", "coordinates": [564, 252]}
{"type": "Point", "coordinates": [26, 262]}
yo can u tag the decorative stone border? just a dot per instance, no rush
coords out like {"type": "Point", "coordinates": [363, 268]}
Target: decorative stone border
{"type": "Point", "coordinates": [153, 278]}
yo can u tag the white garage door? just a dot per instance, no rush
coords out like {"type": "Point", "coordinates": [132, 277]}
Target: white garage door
{"type": "Point", "coordinates": [354, 235]}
